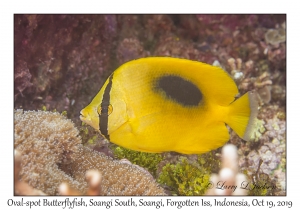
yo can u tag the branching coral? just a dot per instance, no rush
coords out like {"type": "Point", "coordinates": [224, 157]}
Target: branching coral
{"type": "Point", "coordinates": [228, 175]}
{"type": "Point", "coordinates": [241, 72]}
{"type": "Point", "coordinates": [52, 154]}
{"type": "Point", "coordinates": [93, 178]}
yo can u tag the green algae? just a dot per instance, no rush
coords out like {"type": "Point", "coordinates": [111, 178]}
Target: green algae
{"type": "Point", "coordinates": [148, 161]}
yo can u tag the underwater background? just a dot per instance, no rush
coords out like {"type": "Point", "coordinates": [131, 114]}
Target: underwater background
{"type": "Point", "coordinates": [61, 62]}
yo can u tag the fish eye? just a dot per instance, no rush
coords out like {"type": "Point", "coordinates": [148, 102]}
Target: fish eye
{"type": "Point", "coordinates": [105, 109]}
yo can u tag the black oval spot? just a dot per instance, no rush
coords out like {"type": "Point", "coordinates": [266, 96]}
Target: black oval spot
{"type": "Point", "coordinates": [180, 90]}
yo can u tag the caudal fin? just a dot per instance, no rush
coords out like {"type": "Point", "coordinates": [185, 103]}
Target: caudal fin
{"type": "Point", "coordinates": [242, 113]}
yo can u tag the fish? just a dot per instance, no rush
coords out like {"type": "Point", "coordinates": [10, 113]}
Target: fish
{"type": "Point", "coordinates": [163, 104]}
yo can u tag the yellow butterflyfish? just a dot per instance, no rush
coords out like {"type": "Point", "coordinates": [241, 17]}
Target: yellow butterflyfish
{"type": "Point", "coordinates": [160, 104]}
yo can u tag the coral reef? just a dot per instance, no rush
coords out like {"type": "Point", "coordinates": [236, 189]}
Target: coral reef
{"type": "Point", "coordinates": [267, 155]}
{"type": "Point", "coordinates": [60, 58]}
{"type": "Point", "coordinates": [93, 178]}
{"type": "Point", "coordinates": [52, 154]}
{"type": "Point", "coordinates": [61, 61]}
{"type": "Point", "coordinates": [21, 187]}
{"type": "Point", "coordinates": [118, 178]}
{"type": "Point", "coordinates": [241, 73]}
{"type": "Point", "coordinates": [129, 49]}
{"type": "Point", "coordinates": [22, 78]}
{"type": "Point", "coordinates": [45, 140]}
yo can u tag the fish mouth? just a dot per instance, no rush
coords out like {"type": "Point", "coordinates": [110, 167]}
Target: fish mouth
{"type": "Point", "coordinates": [82, 116]}
{"type": "Point", "coordinates": [86, 118]}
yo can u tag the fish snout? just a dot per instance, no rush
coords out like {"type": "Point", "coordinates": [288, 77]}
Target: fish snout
{"type": "Point", "coordinates": [84, 116]}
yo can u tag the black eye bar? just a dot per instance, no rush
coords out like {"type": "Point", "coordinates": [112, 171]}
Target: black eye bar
{"type": "Point", "coordinates": [103, 116]}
